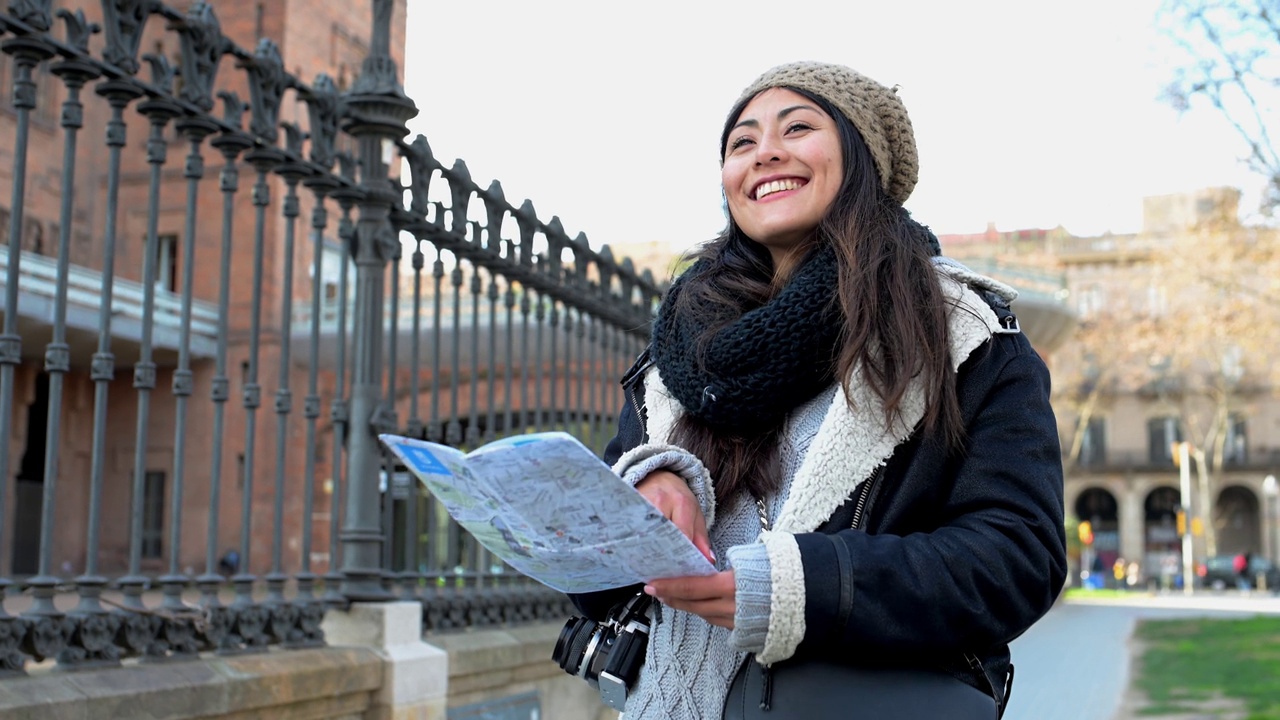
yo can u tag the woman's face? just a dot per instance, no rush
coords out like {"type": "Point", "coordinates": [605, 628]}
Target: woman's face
{"type": "Point", "coordinates": [783, 167]}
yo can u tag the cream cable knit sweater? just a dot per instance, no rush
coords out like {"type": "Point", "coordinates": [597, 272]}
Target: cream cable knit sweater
{"type": "Point", "coordinates": [690, 663]}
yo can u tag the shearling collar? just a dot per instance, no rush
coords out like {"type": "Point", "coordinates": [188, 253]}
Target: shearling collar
{"type": "Point", "coordinates": [851, 444]}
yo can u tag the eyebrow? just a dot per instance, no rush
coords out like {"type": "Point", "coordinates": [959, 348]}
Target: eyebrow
{"type": "Point", "coordinates": [781, 114]}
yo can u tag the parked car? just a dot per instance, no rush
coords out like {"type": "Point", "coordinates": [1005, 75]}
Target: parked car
{"type": "Point", "coordinates": [1219, 573]}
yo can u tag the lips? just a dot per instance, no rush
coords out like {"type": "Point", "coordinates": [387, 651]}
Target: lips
{"type": "Point", "coordinates": [769, 187]}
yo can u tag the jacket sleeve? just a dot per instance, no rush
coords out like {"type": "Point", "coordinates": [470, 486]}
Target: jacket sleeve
{"type": "Point", "coordinates": [992, 558]}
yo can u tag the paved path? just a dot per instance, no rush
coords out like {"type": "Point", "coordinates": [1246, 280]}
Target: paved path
{"type": "Point", "coordinates": [1074, 663]}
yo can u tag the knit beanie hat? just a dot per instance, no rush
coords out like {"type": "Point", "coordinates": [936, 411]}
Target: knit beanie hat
{"type": "Point", "coordinates": [875, 110]}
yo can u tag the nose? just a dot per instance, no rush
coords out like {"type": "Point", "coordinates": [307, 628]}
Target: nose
{"type": "Point", "coordinates": [770, 149]}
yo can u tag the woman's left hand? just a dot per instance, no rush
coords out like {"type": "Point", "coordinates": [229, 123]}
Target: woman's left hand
{"type": "Point", "coordinates": [711, 597]}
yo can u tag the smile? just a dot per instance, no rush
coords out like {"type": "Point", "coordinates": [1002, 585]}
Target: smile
{"type": "Point", "coordinates": [773, 186]}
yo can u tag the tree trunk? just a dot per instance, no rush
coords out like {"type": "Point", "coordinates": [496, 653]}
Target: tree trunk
{"type": "Point", "coordinates": [1082, 426]}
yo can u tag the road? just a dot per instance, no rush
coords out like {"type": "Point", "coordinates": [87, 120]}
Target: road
{"type": "Point", "coordinates": [1074, 663]}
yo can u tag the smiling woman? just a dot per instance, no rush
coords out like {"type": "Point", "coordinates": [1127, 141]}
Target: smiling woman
{"type": "Point", "coordinates": [851, 428]}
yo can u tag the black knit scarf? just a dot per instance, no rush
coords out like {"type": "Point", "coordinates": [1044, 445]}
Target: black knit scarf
{"type": "Point", "coordinates": [762, 364]}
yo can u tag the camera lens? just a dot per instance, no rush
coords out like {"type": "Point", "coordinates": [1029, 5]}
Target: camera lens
{"type": "Point", "coordinates": [572, 644]}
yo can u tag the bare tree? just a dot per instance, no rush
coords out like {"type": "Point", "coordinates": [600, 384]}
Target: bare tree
{"type": "Point", "coordinates": [1192, 325]}
{"type": "Point", "coordinates": [1105, 358]}
{"type": "Point", "coordinates": [1221, 325]}
{"type": "Point", "coordinates": [1230, 49]}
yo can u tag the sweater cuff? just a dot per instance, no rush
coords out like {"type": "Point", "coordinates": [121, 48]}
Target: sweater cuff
{"type": "Point", "coordinates": [787, 597]}
{"type": "Point", "coordinates": [754, 592]}
{"type": "Point", "coordinates": [638, 462]}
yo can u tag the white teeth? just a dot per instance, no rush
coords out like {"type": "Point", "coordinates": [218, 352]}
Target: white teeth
{"type": "Point", "coordinates": [776, 186]}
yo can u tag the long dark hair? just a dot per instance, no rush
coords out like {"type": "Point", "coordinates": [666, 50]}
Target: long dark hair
{"type": "Point", "coordinates": [892, 311]}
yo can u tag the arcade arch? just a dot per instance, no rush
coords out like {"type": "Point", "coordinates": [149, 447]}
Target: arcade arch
{"type": "Point", "coordinates": [1237, 518]}
{"type": "Point", "coordinates": [1162, 548]}
{"type": "Point", "coordinates": [1099, 508]}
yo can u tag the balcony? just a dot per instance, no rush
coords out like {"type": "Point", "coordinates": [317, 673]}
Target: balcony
{"type": "Point", "coordinates": [1108, 248]}
{"type": "Point", "coordinates": [1262, 460]}
{"type": "Point", "coordinates": [37, 292]}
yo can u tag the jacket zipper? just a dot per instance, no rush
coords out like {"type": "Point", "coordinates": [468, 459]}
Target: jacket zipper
{"type": "Point", "coordinates": [864, 497]}
{"type": "Point", "coordinates": [643, 362]}
{"type": "Point", "coordinates": [975, 665]}
{"type": "Point", "coordinates": [644, 431]}
{"type": "Point", "coordinates": [859, 513]}
{"type": "Point", "coordinates": [766, 687]}
{"type": "Point", "coordinates": [859, 516]}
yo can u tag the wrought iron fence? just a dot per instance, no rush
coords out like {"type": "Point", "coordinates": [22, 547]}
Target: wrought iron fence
{"type": "Point", "coordinates": [508, 329]}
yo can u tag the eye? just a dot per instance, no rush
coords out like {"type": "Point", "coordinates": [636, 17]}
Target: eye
{"type": "Point", "coordinates": [798, 126]}
{"type": "Point", "coordinates": [740, 141]}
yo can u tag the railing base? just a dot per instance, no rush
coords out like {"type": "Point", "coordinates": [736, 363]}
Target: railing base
{"type": "Point", "coordinates": [416, 675]}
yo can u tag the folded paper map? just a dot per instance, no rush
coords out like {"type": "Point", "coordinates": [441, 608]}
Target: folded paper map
{"type": "Point", "coordinates": [552, 510]}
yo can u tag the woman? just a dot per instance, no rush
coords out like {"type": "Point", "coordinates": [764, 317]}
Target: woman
{"type": "Point", "coordinates": [820, 372]}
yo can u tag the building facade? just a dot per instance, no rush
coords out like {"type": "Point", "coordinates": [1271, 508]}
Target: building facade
{"type": "Point", "coordinates": [1175, 323]}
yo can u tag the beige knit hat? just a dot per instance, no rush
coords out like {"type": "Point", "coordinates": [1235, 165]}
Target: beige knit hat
{"type": "Point", "coordinates": [875, 110]}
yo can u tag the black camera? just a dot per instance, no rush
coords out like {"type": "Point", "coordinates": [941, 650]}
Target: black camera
{"type": "Point", "coordinates": [608, 654]}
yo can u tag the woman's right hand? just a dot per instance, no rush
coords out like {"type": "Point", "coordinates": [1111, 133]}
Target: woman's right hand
{"type": "Point", "coordinates": [670, 493]}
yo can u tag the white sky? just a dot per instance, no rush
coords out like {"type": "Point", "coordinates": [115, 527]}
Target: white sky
{"type": "Point", "coordinates": [607, 114]}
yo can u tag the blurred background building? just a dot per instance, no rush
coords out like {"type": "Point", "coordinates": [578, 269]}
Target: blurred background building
{"type": "Point", "coordinates": [1174, 327]}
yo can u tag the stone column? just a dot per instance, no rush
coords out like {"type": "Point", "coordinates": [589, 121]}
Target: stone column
{"type": "Point", "coordinates": [1132, 522]}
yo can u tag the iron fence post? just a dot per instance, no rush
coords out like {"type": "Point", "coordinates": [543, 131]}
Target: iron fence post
{"type": "Point", "coordinates": [377, 110]}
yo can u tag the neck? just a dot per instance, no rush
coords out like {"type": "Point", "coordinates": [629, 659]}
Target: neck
{"type": "Point", "coordinates": [785, 263]}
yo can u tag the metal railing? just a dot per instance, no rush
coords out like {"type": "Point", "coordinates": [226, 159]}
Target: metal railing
{"type": "Point", "coordinates": [1121, 461]}
{"type": "Point", "coordinates": [505, 334]}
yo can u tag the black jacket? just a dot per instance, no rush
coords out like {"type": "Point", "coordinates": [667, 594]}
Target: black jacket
{"type": "Point", "coordinates": [956, 555]}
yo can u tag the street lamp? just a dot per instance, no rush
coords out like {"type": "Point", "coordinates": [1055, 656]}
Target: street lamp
{"type": "Point", "coordinates": [1271, 491]}
{"type": "Point", "coordinates": [1183, 456]}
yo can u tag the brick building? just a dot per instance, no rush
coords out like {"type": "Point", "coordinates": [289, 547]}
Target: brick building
{"type": "Point", "coordinates": [313, 37]}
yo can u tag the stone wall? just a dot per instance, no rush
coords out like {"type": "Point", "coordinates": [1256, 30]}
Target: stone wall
{"type": "Point", "coordinates": [488, 665]}
{"type": "Point", "coordinates": [318, 684]}
{"type": "Point", "coordinates": [375, 669]}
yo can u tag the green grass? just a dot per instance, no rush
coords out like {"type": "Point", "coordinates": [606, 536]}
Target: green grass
{"type": "Point", "coordinates": [1195, 664]}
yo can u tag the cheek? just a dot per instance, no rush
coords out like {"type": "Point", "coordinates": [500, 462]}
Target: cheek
{"type": "Point", "coordinates": [727, 180]}
{"type": "Point", "coordinates": [731, 186]}
{"type": "Point", "coordinates": [835, 177]}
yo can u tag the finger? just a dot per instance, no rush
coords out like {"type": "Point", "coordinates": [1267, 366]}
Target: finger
{"type": "Point", "coordinates": [720, 585]}
{"type": "Point", "coordinates": [717, 612]}
{"type": "Point", "coordinates": [700, 537]}
{"type": "Point", "coordinates": [688, 517]}
{"type": "Point", "coordinates": [669, 493]}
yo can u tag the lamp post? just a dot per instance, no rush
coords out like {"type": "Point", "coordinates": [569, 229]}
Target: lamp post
{"type": "Point", "coordinates": [1270, 490]}
{"type": "Point", "coordinates": [1184, 471]}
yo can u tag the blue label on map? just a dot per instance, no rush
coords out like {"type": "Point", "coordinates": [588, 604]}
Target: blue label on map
{"type": "Point", "coordinates": [423, 461]}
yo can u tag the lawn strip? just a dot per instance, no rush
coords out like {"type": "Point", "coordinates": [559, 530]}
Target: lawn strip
{"type": "Point", "coordinates": [1194, 664]}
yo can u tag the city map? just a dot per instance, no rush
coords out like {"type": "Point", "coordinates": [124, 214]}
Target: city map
{"type": "Point", "coordinates": [552, 510]}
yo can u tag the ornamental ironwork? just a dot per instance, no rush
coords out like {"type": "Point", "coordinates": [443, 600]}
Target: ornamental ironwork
{"type": "Point", "coordinates": [430, 305]}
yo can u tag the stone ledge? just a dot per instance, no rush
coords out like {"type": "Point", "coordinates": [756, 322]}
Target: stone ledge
{"type": "Point", "coordinates": [502, 649]}
{"type": "Point", "coordinates": [487, 665]}
{"type": "Point", "coordinates": [285, 684]}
